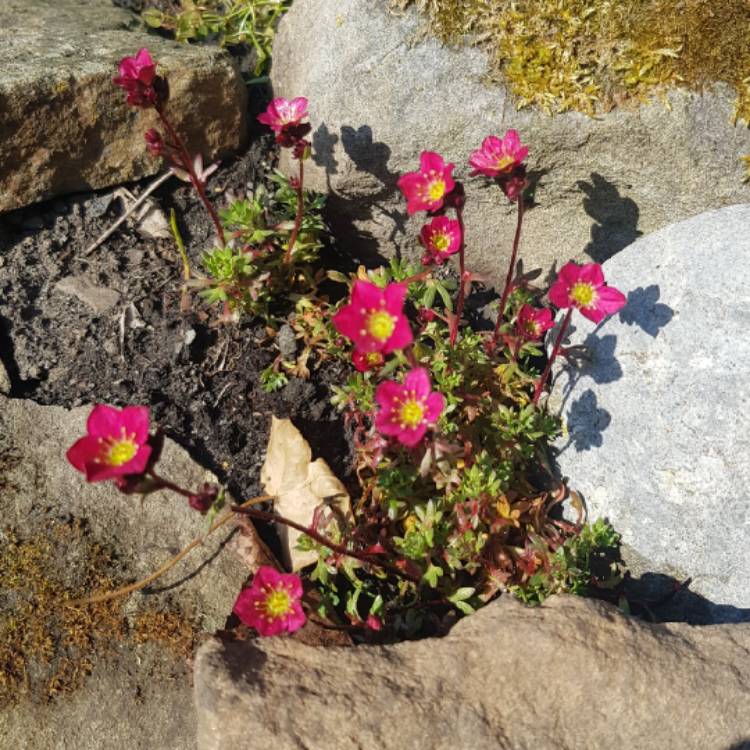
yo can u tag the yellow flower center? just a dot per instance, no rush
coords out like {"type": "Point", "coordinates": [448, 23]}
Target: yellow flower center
{"type": "Point", "coordinates": [441, 242]}
{"type": "Point", "coordinates": [583, 294]}
{"type": "Point", "coordinates": [411, 413]}
{"type": "Point", "coordinates": [380, 325]}
{"type": "Point", "coordinates": [278, 603]}
{"type": "Point", "coordinates": [436, 190]}
{"type": "Point", "coordinates": [374, 358]}
{"type": "Point", "coordinates": [532, 328]}
{"type": "Point", "coordinates": [504, 162]}
{"type": "Point", "coordinates": [120, 452]}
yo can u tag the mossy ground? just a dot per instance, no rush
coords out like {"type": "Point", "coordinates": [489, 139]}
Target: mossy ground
{"type": "Point", "coordinates": [593, 55]}
{"type": "Point", "coordinates": [47, 645]}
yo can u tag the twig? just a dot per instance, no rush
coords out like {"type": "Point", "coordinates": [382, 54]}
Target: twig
{"type": "Point", "coordinates": [125, 590]}
{"type": "Point", "coordinates": [129, 210]}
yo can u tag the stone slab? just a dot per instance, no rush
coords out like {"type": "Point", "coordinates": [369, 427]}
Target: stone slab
{"type": "Point", "coordinates": [65, 127]}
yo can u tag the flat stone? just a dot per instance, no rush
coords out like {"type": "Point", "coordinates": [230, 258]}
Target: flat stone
{"type": "Point", "coordinates": [142, 699]}
{"type": "Point", "coordinates": [380, 94]}
{"type": "Point", "coordinates": [574, 673]}
{"type": "Point", "coordinates": [656, 438]}
{"type": "Point", "coordinates": [100, 299]}
{"type": "Point", "coordinates": [66, 127]}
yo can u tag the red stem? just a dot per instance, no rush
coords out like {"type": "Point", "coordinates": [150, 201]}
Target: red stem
{"type": "Point", "coordinates": [511, 268]}
{"type": "Point", "coordinates": [166, 484]}
{"type": "Point", "coordinates": [320, 539]}
{"type": "Point", "coordinates": [187, 164]}
{"type": "Point", "coordinates": [298, 217]}
{"type": "Point", "coordinates": [456, 321]}
{"type": "Point", "coordinates": [555, 351]}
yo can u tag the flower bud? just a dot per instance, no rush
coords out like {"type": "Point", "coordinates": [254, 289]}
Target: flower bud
{"type": "Point", "coordinates": [204, 498]}
{"type": "Point", "coordinates": [154, 142]}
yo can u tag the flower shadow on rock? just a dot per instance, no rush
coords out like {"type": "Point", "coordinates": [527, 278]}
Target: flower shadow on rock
{"type": "Point", "coordinates": [586, 423]}
{"type": "Point", "coordinates": [615, 218]}
{"type": "Point", "coordinates": [347, 212]}
{"type": "Point", "coordinates": [644, 310]}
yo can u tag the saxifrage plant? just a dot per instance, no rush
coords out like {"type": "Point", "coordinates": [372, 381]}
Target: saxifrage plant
{"type": "Point", "coordinates": [450, 432]}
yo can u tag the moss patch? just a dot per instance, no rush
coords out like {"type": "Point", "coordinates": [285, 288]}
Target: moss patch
{"type": "Point", "coordinates": [47, 646]}
{"type": "Point", "coordinates": [593, 55]}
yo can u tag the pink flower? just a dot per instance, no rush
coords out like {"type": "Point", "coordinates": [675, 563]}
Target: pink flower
{"type": "Point", "coordinates": [374, 623]}
{"type": "Point", "coordinates": [154, 142]}
{"type": "Point", "coordinates": [282, 113]}
{"type": "Point", "coordinates": [441, 238]}
{"type": "Point", "coordinates": [583, 287]}
{"type": "Point", "coordinates": [116, 444]}
{"type": "Point", "coordinates": [137, 76]}
{"type": "Point", "coordinates": [408, 409]}
{"type": "Point", "coordinates": [272, 603]}
{"type": "Point", "coordinates": [532, 323]}
{"type": "Point", "coordinates": [366, 361]}
{"type": "Point", "coordinates": [426, 189]}
{"type": "Point", "coordinates": [374, 319]}
{"type": "Point", "coordinates": [498, 156]}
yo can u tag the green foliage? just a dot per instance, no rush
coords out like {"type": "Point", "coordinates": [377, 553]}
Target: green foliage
{"type": "Point", "coordinates": [250, 274]}
{"type": "Point", "coordinates": [272, 379]}
{"type": "Point", "coordinates": [232, 21]}
{"type": "Point", "coordinates": [469, 512]}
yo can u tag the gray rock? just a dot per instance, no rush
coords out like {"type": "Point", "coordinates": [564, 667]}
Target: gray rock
{"type": "Point", "coordinates": [378, 96]}
{"type": "Point", "coordinates": [5, 384]}
{"type": "Point", "coordinates": [574, 673]}
{"type": "Point", "coordinates": [99, 298]}
{"type": "Point", "coordinates": [41, 481]}
{"type": "Point", "coordinates": [656, 438]}
{"type": "Point", "coordinates": [66, 127]}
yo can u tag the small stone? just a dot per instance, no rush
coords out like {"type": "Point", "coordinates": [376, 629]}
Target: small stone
{"type": "Point", "coordinates": [286, 340]}
{"type": "Point", "coordinates": [5, 384]}
{"type": "Point", "coordinates": [100, 299]}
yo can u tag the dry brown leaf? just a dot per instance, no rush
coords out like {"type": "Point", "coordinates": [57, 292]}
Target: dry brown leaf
{"type": "Point", "coordinates": [299, 486]}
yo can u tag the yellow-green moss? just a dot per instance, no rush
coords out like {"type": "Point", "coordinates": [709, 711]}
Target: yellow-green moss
{"type": "Point", "coordinates": [593, 55]}
{"type": "Point", "coordinates": [47, 646]}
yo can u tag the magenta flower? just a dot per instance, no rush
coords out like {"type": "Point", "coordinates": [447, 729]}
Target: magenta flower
{"type": "Point", "coordinates": [426, 189]}
{"type": "Point", "coordinates": [532, 323]}
{"type": "Point", "coordinates": [116, 444]}
{"type": "Point", "coordinates": [366, 361]}
{"type": "Point", "coordinates": [154, 142]}
{"type": "Point", "coordinates": [282, 113]}
{"type": "Point", "coordinates": [583, 287]}
{"type": "Point", "coordinates": [137, 76]}
{"type": "Point", "coordinates": [408, 409]}
{"type": "Point", "coordinates": [272, 603]}
{"type": "Point", "coordinates": [498, 156]}
{"type": "Point", "coordinates": [441, 238]}
{"type": "Point", "coordinates": [374, 319]}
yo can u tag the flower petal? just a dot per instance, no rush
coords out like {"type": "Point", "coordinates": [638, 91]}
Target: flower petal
{"type": "Point", "coordinates": [104, 421]}
{"type": "Point", "coordinates": [591, 273]}
{"type": "Point", "coordinates": [418, 380]}
{"type": "Point", "coordinates": [434, 407]}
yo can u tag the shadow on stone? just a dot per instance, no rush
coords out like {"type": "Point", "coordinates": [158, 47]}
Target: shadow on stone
{"type": "Point", "coordinates": [347, 213]}
{"type": "Point", "coordinates": [615, 218]}
{"type": "Point", "coordinates": [586, 423]}
{"type": "Point", "coordinates": [644, 310]}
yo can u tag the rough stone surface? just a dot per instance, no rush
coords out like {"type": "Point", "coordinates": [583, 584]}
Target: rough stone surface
{"type": "Point", "coordinates": [142, 699]}
{"type": "Point", "coordinates": [574, 673]}
{"type": "Point", "coordinates": [378, 97]}
{"type": "Point", "coordinates": [66, 127]}
{"type": "Point", "coordinates": [657, 438]}
{"type": "Point", "coordinates": [40, 479]}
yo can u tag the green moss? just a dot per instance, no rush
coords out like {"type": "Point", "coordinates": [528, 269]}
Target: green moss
{"type": "Point", "coordinates": [593, 55]}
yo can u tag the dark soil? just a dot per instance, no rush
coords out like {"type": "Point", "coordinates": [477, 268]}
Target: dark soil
{"type": "Point", "coordinates": [200, 378]}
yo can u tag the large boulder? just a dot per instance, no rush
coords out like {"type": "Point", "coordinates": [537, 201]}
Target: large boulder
{"type": "Point", "coordinates": [574, 673]}
{"type": "Point", "coordinates": [65, 127]}
{"type": "Point", "coordinates": [379, 94]}
{"type": "Point", "coordinates": [656, 420]}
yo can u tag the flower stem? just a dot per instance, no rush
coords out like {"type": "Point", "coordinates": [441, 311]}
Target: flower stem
{"type": "Point", "coordinates": [555, 351]}
{"type": "Point", "coordinates": [320, 539]}
{"type": "Point", "coordinates": [167, 485]}
{"type": "Point", "coordinates": [138, 585]}
{"type": "Point", "coordinates": [187, 163]}
{"type": "Point", "coordinates": [300, 211]}
{"type": "Point", "coordinates": [511, 269]}
{"type": "Point", "coordinates": [456, 321]}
